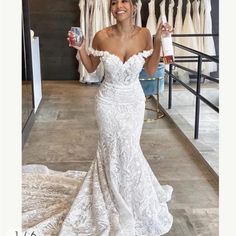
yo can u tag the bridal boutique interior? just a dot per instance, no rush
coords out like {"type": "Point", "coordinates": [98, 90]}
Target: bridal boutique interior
{"type": "Point", "coordinates": [59, 128]}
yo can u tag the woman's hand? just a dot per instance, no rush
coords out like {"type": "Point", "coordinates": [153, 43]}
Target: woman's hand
{"type": "Point", "coordinates": [71, 40]}
{"type": "Point", "coordinates": [162, 28]}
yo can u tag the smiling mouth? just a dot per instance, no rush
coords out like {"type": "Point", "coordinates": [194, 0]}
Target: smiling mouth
{"type": "Point", "coordinates": [120, 12]}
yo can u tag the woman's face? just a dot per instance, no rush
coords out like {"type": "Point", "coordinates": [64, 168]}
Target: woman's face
{"type": "Point", "coordinates": [122, 9]}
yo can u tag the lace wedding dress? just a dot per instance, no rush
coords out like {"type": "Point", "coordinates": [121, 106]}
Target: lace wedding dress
{"type": "Point", "coordinates": [119, 195]}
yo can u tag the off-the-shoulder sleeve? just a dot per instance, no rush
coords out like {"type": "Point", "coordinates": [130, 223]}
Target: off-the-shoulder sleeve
{"type": "Point", "coordinates": [146, 53]}
{"type": "Point", "coordinates": [95, 52]}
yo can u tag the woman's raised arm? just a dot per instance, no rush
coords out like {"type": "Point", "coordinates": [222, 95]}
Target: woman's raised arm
{"type": "Point", "coordinates": [90, 62]}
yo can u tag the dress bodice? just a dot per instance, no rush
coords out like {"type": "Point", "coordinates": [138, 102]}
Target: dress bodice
{"type": "Point", "coordinates": [119, 72]}
{"type": "Point", "coordinates": [121, 81]}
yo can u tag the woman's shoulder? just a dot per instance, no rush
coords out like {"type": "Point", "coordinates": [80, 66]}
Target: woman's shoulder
{"type": "Point", "coordinates": [104, 32]}
{"type": "Point", "coordinates": [145, 31]}
{"type": "Point", "coordinates": [145, 35]}
{"type": "Point", "coordinates": [101, 36]}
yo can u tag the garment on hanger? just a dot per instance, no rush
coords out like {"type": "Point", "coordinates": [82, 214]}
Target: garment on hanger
{"type": "Point", "coordinates": [138, 21]}
{"type": "Point", "coordinates": [82, 71]}
{"type": "Point", "coordinates": [89, 10]}
{"type": "Point", "coordinates": [178, 27]}
{"type": "Point", "coordinates": [162, 12]}
{"type": "Point", "coordinates": [97, 20]}
{"type": "Point", "coordinates": [93, 24]}
{"type": "Point", "coordinates": [88, 22]}
{"type": "Point", "coordinates": [190, 42]}
{"type": "Point", "coordinates": [209, 45]}
{"type": "Point", "coordinates": [196, 23]}
{"type": "Point", "coordinates": [105, 13]}
{"type": "Point", "coordinates": [97, 24]}
{"type": "Point", "coordinates": [171, 12]}
{"type": "Point", "coordinates": [202, 22]}
{"type": "Point", "coordinates": [178, 30]}
{"type": "Point", "coordinates": [151, 21]}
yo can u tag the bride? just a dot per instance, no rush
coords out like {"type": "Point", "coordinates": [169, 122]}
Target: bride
{"type": "Point", "coordinates": [119, 195]}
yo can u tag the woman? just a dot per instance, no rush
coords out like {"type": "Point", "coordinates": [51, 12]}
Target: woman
{"type": "Point", "coordinates": [120, 195]}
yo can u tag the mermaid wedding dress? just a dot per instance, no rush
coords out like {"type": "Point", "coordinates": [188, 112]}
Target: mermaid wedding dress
{"type": "Point", "coordinates": [119, 195]}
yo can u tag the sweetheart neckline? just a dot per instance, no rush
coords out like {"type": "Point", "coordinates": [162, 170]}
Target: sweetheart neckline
{"type": "Point", "coordinates": [122, 62]}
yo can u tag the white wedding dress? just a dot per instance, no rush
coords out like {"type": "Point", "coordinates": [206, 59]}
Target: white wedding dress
{"type": "Point", "coordinates": [81, 68]}
{"type": "Point", "coordinates": [196, 23]}
{"type": "Point", "coordinates": [171, 13]}
{"type": "Point", "coordinates": [152, 21]}
{"type": "Point", "coordinates": [190, 42]}
{"type": "Point", "coordinates": [119, 195]}
{"type": "Point", "coordinates": [162, 6]}
{"type": "Point", "coordinates": [178, 27]}
{"type": "Point", "coordinates": [138, 20]}
{"type": "Point", "coordinates": [209, 44]}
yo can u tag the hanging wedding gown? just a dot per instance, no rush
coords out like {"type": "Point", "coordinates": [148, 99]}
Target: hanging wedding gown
{"type": "Point", "coordinates": [151, 21]}
{"type": "Point", "coordinates": [178, 30]}
{"type": "Point", "coordinates": [196, 23]}
{"type": "Point", "coordinates": [119, 195]}
{"type": "Point", "coordinates": [171, 13]}
{"type": "Point", "coordinates": [89, 10]}
{"type": "Point", "coordinates": [93, 24]}
{"type": "Point", "coordinates": [178, 27]}
{"type": "Point", "coordinates": [81, 68]}
{"type": "Point", "coordinates": [209, 45]}
{"type": "Point", "coordinates": [162, 12]}
{"type": "Point", "coordinates": [105, 13]}
{"type": "Point", "coordinates": [188, 28]}
{"type": "Point", "coordinates": [202, 22]}
{"type": "Point", "coordinates": [97, 24]}
{"type": "Point", "coordinates": [138, 21]}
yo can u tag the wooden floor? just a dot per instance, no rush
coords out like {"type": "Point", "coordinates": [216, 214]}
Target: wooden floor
{"type": "Point", "coordinates": [65, 134]}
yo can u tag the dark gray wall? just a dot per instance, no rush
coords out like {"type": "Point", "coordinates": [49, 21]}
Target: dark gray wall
{"type": "Point", "coordinates": [52, 19]}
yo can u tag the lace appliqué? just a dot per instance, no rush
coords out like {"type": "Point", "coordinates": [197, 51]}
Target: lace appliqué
{"type": "Point", "coordinates": [119, 195]}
